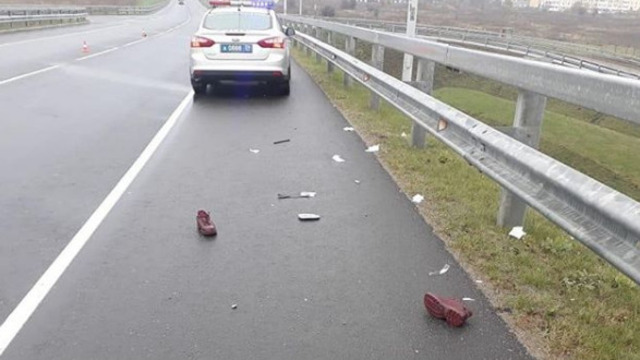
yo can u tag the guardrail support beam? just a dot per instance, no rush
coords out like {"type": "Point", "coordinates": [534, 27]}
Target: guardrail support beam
{"type": "Point", "coordinates": [350, 48]}
{"type": "Point", "coordinates": [330, 66]}
{"type": "Point", "coordinates": [526, 129]}
{"type": "Point", "coordinates": [377, 61]}
{"type": "Point", "coordinates": [318, 34]}
{"type": "Point", "coordinates": [424, 81]}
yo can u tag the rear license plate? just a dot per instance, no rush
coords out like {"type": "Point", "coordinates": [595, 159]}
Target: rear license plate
{"type": "Point", "coordinates": [236, 48]}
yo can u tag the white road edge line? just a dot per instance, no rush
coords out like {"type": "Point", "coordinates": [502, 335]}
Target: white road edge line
{"type": "Point", "coordinates": [15, 78]}
{"type": "Point", "coordinates": [21, 314]}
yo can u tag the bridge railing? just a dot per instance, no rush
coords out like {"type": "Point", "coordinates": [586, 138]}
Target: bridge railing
{"type": "Point", "coordinates": [603, 219]}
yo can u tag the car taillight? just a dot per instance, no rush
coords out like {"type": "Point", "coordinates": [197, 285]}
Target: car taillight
{"type": "Point", "coordinates": [273, 43]}
{"type": "Point", "coordinates": [200, 42]}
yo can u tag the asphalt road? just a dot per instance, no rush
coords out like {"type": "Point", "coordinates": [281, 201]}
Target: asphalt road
{"type": "Point", "coordinates": [146, 285]}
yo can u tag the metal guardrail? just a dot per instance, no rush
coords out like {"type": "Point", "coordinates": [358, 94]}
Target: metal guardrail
{"type": "Point", "coordinates": [519, 45]}
{"type": "Point", "coordinates": [546, 44]}
{"type": "Point", "coordinates": [28, 17]}
{"type": "Point", "coordinates": [126, 10]}
{"type": "Point", "coordinates": [606, 221]}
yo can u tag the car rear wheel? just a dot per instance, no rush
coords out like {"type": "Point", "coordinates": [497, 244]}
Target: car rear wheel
{"type": "Point", "coordinates": [199, 89]}
{"type": "Point", "coordinates": [285, 88]}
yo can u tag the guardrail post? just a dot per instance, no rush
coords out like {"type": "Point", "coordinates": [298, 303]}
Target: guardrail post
{"type": "Point", "coordinates": [424, 81]}
{"type": "Point", "coordinates": [330, 65]}
{"type": "Point", "coordinates": [318, 35]}
{"type": "Point", "coordinates": [377, 61]}
{"type": "Point", "coordinates": [350, 48]}
{"type": "Point", "coordinates": [308, 30]}
{"type": "Point", "coordinates": [526, 129]}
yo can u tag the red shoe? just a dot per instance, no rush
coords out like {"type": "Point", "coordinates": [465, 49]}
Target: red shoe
{"type": "Point", "coordinates": [206, 227]}
{"type": "Point", "coordinates": [452, 310]}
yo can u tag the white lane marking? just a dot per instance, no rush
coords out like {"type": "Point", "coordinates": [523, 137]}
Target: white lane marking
{"type": "Point", "coordinates": [97, 54]}
{"type": "Point", "coordinates": [61, 36]}
{"type": "Point", "coordinates": [19, 77]}
{"type": "Point", "coordinates": [134, 42]}
{"type": "Point", "coordinates": [21, 314]}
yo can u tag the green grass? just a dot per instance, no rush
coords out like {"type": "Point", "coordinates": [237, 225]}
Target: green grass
{"type": "Point", "coordinates": [559, 295]}
{"type": "Point", "coordinates": [597, 151]}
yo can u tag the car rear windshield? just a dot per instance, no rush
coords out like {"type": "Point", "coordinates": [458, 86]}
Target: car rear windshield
{"type": "Point", "coordinates": [238, 21]}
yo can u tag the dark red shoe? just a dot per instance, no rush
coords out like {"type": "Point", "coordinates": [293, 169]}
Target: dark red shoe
{"type": "Point", "coordinates": [206, 227]}
{"type": "Point", "coordinates": [452, 310]}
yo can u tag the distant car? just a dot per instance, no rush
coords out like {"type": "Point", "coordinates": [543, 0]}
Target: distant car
{"type": "Point", "coordinates": [180, 2]}
{"type": "Point", "coordinates": [241, 42]}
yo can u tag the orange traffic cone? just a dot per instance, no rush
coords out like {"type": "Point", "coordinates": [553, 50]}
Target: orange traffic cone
{"type": "Point", "coordinates": [85, 47]}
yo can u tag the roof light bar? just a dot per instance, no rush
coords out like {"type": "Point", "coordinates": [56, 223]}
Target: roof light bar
{"type": "Point", "coordinates": [267, 4]}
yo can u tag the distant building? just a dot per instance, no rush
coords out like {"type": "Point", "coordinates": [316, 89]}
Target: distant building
{"type": "Point", "coordinates": [602, 6]}
{"type": "Point", "coordinates": [536, 3]}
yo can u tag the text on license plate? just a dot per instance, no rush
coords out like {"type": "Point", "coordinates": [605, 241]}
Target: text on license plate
{"type": "Point", "coordinates": [236, 48]}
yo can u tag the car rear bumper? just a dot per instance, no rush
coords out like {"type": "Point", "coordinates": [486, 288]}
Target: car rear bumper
{"type": "Point", "coordinates": [274, 68]}
{"type": "Point", "coordinates": [209, 76]}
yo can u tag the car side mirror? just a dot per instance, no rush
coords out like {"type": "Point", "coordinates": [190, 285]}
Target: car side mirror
{"type": "Point", "coordinates": [290, 31]}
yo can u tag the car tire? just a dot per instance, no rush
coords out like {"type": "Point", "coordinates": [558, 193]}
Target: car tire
{"type": "Point", "coordinates": [199, 89]}
{"type": "Point", "coordinates": [285, 88]}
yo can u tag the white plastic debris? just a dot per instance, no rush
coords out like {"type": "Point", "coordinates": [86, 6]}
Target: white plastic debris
{"type": "Point", "coordinates": [417, 198]}
{"type": "Point", "coordinates": [404, 135]}
{"type": "Point", "coordinates": [234, 306]}
{"type": "Point", "coordinates": [307, 194]}
{"type": "Point", "coordinates": [337, 158]}
{"type": "Point", "coordinates": [348, 128]}
{"type": "Point", "coordinates": [308, 217]}
{"type": "Point", "coordinates": [255, 151]}
{"type": "Point", "coordinates": [357, 181]}
{"type": "Point", "coordinates": [373, 148]}
{"type": "Point", "coordinates": [517, 232]}
{"type": "Point", "coordinates": [468, 299]}
{"type": "Point", "coordinates": [478, 281]}
{"type": "Point", "coordinates": [442, 271]}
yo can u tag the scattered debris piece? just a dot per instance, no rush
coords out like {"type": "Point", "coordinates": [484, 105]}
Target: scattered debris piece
{"type": "Point", "coordinates": [373, 148]}
{"type": "Point", "coordinates": [348, 128]}
{"type": "Point", "coordinates": [478, 281]}
{"type": "Point", "coordinates": [404, 134]}
{"type": "Point", "coordinates": [305, 299]}
{"type": "Point", "coordinates": [337, 158]}
{"type": "Point", "coordinates": [442, 271]}
{"type": "Point", "coordinates": [468, 299]}
{"type": "Point", "coordinates": [303, 195]}
{"type": "Point", "coordinates": [357, 181]}
{"type": "Point", "coordinates": [417, 351]}
{"type": "Point", "coordinates": [417, 198]}
{"type": "Point", "coordinates": [452, 310]}
{"type": "Point", "coordinates": [234, 306]}
{"type": "Point", "coordinates": [517, 232]}
{"type": "Point", "coordinates": [281, 141]}
{"type": "Point", "coordinates": [308, 217]}
{"type": "Point", "coordinates": [206, 227]}
{"type": "Point", "coordinates": [255, 151]}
